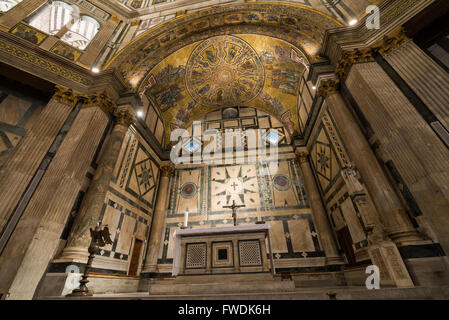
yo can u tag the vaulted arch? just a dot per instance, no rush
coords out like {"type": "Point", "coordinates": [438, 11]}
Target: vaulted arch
{"type": "Point", "coordinates": [274, 45]}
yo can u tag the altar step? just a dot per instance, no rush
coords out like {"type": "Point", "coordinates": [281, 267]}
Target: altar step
{"type": "Point", "coordinates": [219, 284]}
{"type": "Point", "coordinates": [342, 293]}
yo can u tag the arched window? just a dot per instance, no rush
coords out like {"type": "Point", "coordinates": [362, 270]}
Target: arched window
{"type": "Point", "coordinates": [6, 5]}
{"type": "Point", "coordinates": [51, 18]}
{"type": "Point", "coordinates": [82, 32]}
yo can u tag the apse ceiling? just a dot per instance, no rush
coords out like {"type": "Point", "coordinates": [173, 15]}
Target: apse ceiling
{"type": "Point", "coordinates": [242, 55]}
{"type": "Point", "coordinates": [232, 70]}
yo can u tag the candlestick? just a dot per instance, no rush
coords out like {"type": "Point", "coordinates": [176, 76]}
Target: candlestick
{"type": "Point", "coordinates": [186, 218]}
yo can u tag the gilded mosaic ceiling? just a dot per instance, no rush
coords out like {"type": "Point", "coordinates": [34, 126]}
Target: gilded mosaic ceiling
{"type": "Point", "coordinates": [251, 70]}
{"type": "Point", "coordinates": [245, 54]}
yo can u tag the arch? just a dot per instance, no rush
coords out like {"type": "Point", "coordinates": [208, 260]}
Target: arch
{"type": "Point", "coordinates": [82, 32]}
{"type": "Point", "coordinates": [301, 26]}
{"type": "Point", "coordinates": [51, 18]}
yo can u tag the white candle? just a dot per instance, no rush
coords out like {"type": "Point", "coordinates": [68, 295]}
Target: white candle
{"type": "Point", "coordinates": [186, 218]}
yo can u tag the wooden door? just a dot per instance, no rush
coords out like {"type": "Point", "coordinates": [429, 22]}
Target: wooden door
{"type": "Point", "coordinates": [135, 257]}
{"type": "Point", "coordinates": [345, 240]}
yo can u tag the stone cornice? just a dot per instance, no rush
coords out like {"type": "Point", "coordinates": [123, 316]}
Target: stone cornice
{"type": "Point", "coordinates": [28, 57]}
{"type": "Point", "coordinates": [394, 13]}
{"type": "Point", "coordinates": [385, 46]}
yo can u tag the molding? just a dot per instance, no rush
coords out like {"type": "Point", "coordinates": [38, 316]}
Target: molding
{"type": "Point", "coordinates": [394, 13]}
{"type": "Point", "coordinates": [28, 57]}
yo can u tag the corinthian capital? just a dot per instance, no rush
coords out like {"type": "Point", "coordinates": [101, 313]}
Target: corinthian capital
{"type": "Point", "coordinates": [392, 42]}
{"type": "Point", "coordinates": [124, 117]}
{"type": "Point", "coordinates": [99, 100]}
{"type": "Point", "coordinates": [302, 156]}
{"type": "Point", "coordinates": [328, 87]}
{"type": "Point", "coordinates": [65, 95]}
{"type": "Point", "coordinates": [167, 171]}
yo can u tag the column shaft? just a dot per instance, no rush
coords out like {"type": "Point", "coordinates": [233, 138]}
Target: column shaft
{"type": "Point", "coordinates": [387, 203]}
{"type": "Point", "coordinates": [318, 211]}
{"type": "Point", "coordinates": [157, 225]}
{"type": "Point", "coordinates": [424, 76]}
{"type": "Point", "coordinates": [96, 194]}
{"type": "Point", "coordinates": [36, 237]}
{"type": "Point", "coordinates": [20, 169]}
{"type": "Point", "coordinates": [406, 139]}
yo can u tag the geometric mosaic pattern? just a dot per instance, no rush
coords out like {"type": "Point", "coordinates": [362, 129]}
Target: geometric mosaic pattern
{"type": "Point", "coordinates": [196, 255]}
{"type": "Point", "coordinates": [250, 253]}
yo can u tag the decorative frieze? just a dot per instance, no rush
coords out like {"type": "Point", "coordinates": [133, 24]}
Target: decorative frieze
{"type": "Point", "coordinates": [392, 42]}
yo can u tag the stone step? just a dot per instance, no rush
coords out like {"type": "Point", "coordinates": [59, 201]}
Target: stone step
{"type": "Point", "coordinates": [345, 293]}
{"type": "Point", "coordinates": [219, 287]}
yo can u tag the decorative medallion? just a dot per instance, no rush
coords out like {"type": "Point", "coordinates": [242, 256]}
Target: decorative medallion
{"type": "Point", "coordinates": [281, 182]}
{"type": "Point", "coordinates": [230, 113]}
{"type": "Point", "coordinates": [224, 71]}
{"type": "Point", "coordinates": [189, 190]}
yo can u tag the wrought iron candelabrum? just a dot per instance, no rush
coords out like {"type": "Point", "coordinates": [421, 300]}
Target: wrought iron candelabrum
{"type": "Point", "coordinates": [100, 237]}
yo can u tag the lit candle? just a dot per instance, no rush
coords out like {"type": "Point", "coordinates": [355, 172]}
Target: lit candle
{"type": "Point", "coordinates": [186, 218]}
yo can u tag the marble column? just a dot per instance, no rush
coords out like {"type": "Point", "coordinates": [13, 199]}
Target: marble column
{"type": "Point", "coordinates": [20, 169]}
{"type": "Point", "coordinates": [95, 198]}
{"type": "Point", "coordinates": [37, 235]}
{"type": "Point", "coordinates": [389, 207]}
{"type": "Point", "coordinates": [382, 251]}
{"type": "Point", "coordinates": [319, 214]}
{"type": "Point", "coordinates": [408, 140]}
{"type": "Point", "coordinates": [157, 225]}
{"type": "Point", "coordinates": [424, 76]}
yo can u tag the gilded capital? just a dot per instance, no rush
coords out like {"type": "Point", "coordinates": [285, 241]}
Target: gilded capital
{"type": "Point", "coordinates": [302, 156]}
{"type": "Point", "coordinates": [391, 42]}
{"type": "Point", "coordinates": [167, 171]}
{"type": "Point", "coordinates": [99, 100]}
{"type": "Point", "coordinates": [352, 57]}
{"type": "Point", "coordinates": [328, 87]}
{"type": "Point", "coordinates": [65, 95]}
{"type": "Point", "coordinates": [124, 118]}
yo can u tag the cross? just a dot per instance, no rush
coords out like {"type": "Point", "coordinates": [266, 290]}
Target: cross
{"type": "Point", "coordinates": [234, 185]}
{"type": "Point", "coordinates": [234, 210]}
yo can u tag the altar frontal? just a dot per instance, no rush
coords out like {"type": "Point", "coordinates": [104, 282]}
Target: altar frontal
{"type": "Point", "coordinates": [227, 250]}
